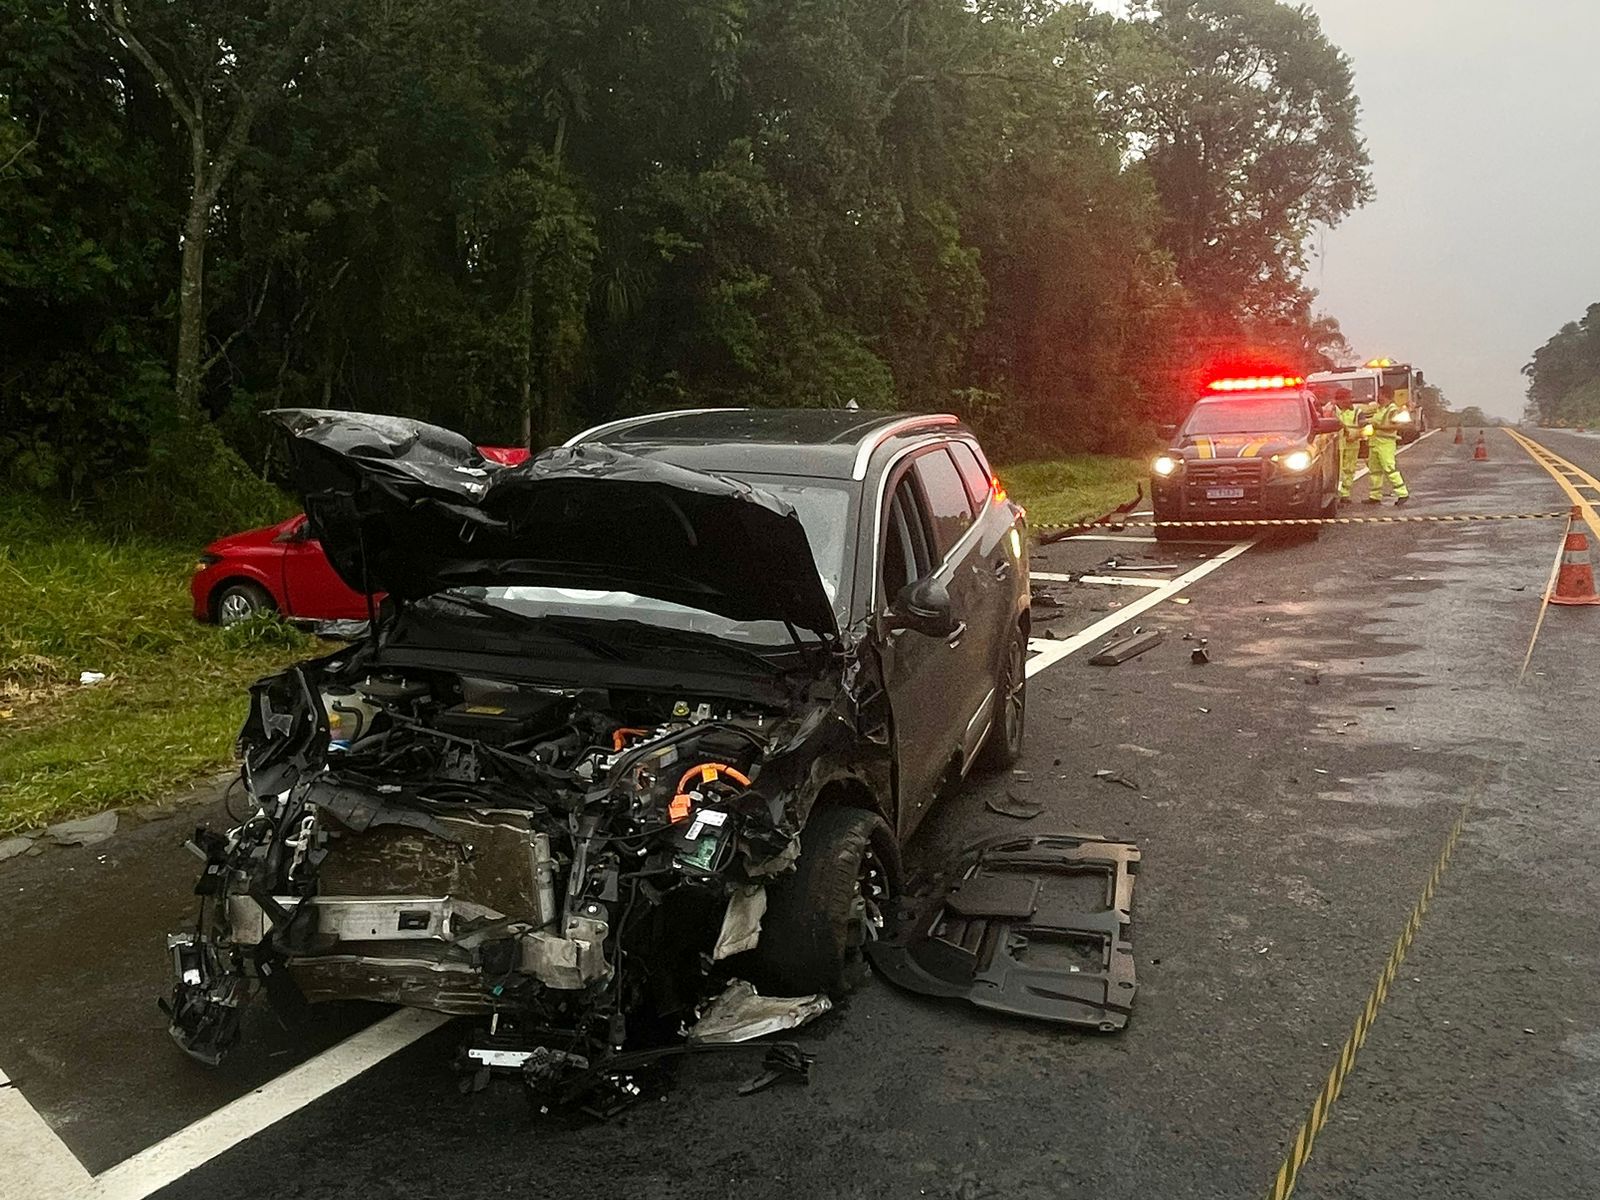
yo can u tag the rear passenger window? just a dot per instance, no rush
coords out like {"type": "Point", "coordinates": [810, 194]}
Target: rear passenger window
{"type": "Point", "coordinates": [973, 474]}
{"type": "Point", "coordinates": [949, 510]}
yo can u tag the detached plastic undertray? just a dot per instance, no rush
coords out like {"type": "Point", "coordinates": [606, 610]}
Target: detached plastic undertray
{"type": "Point", "coordinates": [1032, 926]}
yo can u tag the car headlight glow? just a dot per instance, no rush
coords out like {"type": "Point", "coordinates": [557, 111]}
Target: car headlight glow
{"type": "Point", "coordinates": [1297, 460]}
{"type": "Point", "coordinates": [1165, 465]}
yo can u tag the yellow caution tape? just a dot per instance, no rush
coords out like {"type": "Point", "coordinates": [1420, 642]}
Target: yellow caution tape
{"type": "Point", "coordinates": [1409, 519]}
{"type": "Point", "coordinates": [1300, 1147]}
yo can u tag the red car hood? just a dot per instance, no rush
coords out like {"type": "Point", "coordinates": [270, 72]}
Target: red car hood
{"type": "Point", "coordinates": [251, 538]}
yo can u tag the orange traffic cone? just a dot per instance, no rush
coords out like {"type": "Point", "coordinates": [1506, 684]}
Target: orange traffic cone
{"type": "Point", "coordinates": [1575, 579]}
{"type": "Point", "coordinates": [1481, 450]}
{"type": "Point", "coordinates": [1459, 438]}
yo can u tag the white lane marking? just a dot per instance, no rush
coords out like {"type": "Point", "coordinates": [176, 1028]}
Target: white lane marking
{"type": "Point", "coordinates": [1048, 653]}
{"type": "Point", "coordinates": [1113, 580]}
{"type": "Point", "coordinates": [34, 1161]}
{"type": "Point", "coordinates": [169, 1160]}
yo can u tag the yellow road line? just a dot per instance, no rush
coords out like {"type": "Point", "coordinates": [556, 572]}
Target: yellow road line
{"type": "Point", "coordinates": [1564, 473]}
{"type": "Point", "coordinates": [1300, 1146]}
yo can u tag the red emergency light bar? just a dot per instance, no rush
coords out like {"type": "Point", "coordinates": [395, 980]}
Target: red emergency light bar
{"type": "Point", "coordinates": [1260, 383]}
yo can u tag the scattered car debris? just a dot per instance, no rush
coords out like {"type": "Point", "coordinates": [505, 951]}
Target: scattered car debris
{"type": "Point", "coordinates": [741, 1014]}
{"type": "Point", "coordinates": [1039, 598]}
{"type": "Point", "coordinates": [1012, 805]}
{"type": "Point", "coordinates": [90, 678]}
{"type": "Point", "coordinates": [1117, 652]}
{"type": "Point", "coordinates": [1180, 600]}
{"type": "Point", "coordinates": [1198, 656]}
{"type": "Point", "coordinates": [1117, 777]}
{"type": "Point", "coordinates": [86, 831]}
{"type": "Point", "coordinates": [1010, 933]}
{"type": "Point", "coordinates": [784, 1061]}
{"type": "Point", "coordinates": [1117, 564]}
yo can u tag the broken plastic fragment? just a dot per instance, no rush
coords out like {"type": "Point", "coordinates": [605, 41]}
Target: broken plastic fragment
{"type": "Point", "coordinates": [740, 1014]}
{"type": "Point", "coordinates": [741, 923]}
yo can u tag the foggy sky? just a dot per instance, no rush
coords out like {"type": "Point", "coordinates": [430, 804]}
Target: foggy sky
{"type": "Point", "coordinates": [1483, 122]}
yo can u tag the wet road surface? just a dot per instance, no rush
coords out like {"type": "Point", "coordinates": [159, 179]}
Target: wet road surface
{"type": "Point", "coordinates": [1292, 798]}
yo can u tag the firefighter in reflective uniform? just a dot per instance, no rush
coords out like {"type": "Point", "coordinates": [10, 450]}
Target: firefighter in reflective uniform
{"type": "Point", "coordinates": [1349, 440]}
{"type": "Point", "coordinates": [1381, 448]}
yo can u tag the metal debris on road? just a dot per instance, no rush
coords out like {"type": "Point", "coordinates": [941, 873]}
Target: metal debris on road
{"type": "Point", "coordinates": [1198, 656]}
{"type": "Point", "coordinates": [1012, 805]}
{"type": "Point", "coordinates": [741, 1014]}
{"type": "Point", "coordinates": [1117, 652]}
{"type": "Point", "coordinates": [1117, 777]}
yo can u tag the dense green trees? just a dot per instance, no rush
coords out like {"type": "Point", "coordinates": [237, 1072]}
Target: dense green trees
{"type": "Point", "coordinates": [1564, 375]}
{"type": "Point", "coordinates": [516, 216]}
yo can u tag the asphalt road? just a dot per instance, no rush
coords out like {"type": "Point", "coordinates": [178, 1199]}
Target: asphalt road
{"type": "Point", "coordinates": [1292, 798]}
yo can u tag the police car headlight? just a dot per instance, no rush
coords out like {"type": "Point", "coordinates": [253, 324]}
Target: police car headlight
{"type": "Point", "coordinates": [1165, 465]}
{"type": "Point", "coordinates": [1297, 460]}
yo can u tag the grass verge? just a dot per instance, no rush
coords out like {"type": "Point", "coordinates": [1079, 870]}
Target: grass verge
{"type": "Point", "coordinates": [173, 698]}
{"type": "Point", "coordinates": [1061, 491]}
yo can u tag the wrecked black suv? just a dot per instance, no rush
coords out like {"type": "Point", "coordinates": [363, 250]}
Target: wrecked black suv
{"type": "Point", "coordinates": [646, 715]}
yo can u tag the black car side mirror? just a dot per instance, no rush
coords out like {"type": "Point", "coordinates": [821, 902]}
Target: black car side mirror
{"type": "Point", "coordinates": [1327, 425]}
{"type": "Point", "coordinates": [922, 607]}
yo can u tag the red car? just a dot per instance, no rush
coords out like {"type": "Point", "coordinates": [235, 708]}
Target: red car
{"type": "Point", "coordinates": [277, 569]}
{"type": "Point", "coordinates": [282, 569]}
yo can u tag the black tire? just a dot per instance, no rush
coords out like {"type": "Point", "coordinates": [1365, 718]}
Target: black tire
{"type": "Point", "coordinates": [821, 915]}
{"type": "Point", "coordinates": [1002, 746]}
{"type": "Point", "coordinates": [239, 601]}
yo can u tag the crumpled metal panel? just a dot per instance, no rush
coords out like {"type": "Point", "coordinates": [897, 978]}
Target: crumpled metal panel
{"type": "Point", "coordinates": [410, 509]}
{"type": "Point", "coordinates": [1033, 926]}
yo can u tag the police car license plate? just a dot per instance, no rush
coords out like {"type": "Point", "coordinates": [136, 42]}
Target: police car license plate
{"type": "Point", "coordinates": [1225, 493]}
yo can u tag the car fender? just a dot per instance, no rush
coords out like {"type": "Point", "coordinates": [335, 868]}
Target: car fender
{"type": "Point", "coordinates": [245, 572]}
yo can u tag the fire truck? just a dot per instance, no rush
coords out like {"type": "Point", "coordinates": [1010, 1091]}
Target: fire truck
{"type": "Point", "coordinates": [1364, 382]}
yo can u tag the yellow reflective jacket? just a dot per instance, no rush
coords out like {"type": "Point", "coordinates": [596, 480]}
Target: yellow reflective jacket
{"type": "Point", "coordinates": [1383, 421]}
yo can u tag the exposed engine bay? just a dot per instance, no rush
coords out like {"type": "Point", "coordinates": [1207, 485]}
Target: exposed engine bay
{"type": "Point", "coordinates": [576, 864]}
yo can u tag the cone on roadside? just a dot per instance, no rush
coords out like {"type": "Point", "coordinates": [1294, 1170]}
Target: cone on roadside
{"type": "Point", "coordinates": [1575, 578]}
{"type": "Point", "coordinates": [1459, 438]}
{"type": "Point", "coordinates": [1480, 452]}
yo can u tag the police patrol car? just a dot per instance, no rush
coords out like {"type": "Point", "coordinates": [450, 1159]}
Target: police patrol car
{"type": "Point", "coordinates": [1249, 448]}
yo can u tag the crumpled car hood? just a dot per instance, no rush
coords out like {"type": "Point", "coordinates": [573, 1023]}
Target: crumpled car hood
{"type": "Point", "coordinates": [411, 509]}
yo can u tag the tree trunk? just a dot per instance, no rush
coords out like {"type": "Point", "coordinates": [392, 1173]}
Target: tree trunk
{"type": "Point", "coordinates": [525, 320]}
{"type": "Point", "coordinates": [191, 281]}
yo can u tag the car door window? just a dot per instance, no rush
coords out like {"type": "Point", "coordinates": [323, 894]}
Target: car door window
{"type": "Point", "coordinates": [906, 555]}
{"type": "Point", "coordinates": [949, 509]}
{"type": "Point", "coordinates": [973, 474]}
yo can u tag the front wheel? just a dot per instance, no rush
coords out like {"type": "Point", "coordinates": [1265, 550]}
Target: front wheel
{"type": "Point", "coordinates": [821, 915]}
{"type": "Point", "coordinates": [239, 602]}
